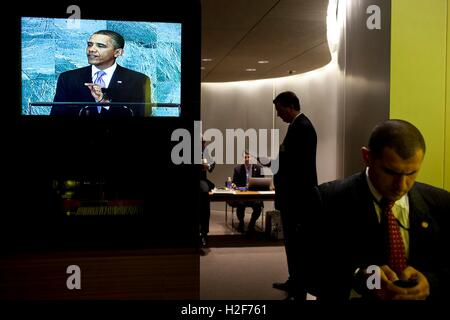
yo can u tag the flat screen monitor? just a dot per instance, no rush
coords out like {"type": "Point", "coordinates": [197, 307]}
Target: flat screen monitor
{"type": "Point", "coordinates": [259, 184]}
{"type": "Point", "coordinates": [88, 178]}
{"type": "Point", "coordinates": [59, 58]}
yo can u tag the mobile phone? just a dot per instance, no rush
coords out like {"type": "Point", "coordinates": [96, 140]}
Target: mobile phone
{"type": "Point", "coordinates": [406, 283]}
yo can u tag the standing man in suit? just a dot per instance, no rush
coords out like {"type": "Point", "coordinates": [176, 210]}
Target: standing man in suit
{"type": "Point", "coordinates": [241, 175]}
{"type": "Point", "coordinates": [351, 230]}
{"type": "Point", "coordinates": [296, 175]}
{"type": "Point", "coordinates": [103, 81]}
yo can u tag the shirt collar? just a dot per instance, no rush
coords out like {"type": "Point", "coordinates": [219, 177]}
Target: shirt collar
{"type": "Point", "coordinates": [109, 71]}
{"type": "Point", "coordinates": [293, 120]}
{"type": "Point", "coordinates": [402, 202]}
{"type": "Point", "coordinates": [296, 117]}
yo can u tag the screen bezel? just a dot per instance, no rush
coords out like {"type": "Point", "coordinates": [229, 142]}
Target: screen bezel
{"type": "Point", "coordinates": [41, 149]}
{"type": "Point", "coordinates": [186, 13]}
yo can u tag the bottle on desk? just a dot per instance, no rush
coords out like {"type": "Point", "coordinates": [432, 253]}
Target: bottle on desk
{"type": "Point", "coordinates": [228, 183]}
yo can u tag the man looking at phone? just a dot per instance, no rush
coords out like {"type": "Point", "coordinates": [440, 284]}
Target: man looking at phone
{"type": "Point", "coordinates": [380, 217]}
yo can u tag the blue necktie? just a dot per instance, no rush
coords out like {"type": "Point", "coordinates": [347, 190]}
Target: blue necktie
{"type": "Point", "coordinates": [99, 81]}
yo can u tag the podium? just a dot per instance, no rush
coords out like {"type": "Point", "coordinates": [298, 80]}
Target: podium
{"type": "Point", "coordinates": [90, 109]}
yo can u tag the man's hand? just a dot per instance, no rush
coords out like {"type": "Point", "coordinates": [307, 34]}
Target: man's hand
{"type": "Point", "coordinates": [96, 92]}
{"type": "Point", "coordinates": [390, 291]}
{"type": "Point", "coordinates": [420, 291]}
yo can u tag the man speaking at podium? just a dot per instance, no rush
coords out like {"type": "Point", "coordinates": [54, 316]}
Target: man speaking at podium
{"type": "Point", "coordinates": [103, 81]}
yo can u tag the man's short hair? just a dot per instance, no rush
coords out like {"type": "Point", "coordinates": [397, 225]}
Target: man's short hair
{"type": "Point", "coordinates": [399, 135]}
{"type": "Point", "coordinates": [117, 40]}
{"type": "Point", "coordinates": [288, 99]}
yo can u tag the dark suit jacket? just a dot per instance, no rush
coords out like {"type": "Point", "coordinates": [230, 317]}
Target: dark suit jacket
{"type": "Point", "coordinates": [240, 174]}
{"type": "Point", "coordinates": [297, 163]}
{"type": "Point", "coordinates": [206, 185]}
{"type": "Point", "coordinates": [126, 86]}
{"type": "Point", "coordinates": [342, 233]}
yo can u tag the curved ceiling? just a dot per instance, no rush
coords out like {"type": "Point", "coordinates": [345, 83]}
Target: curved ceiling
{"type": "Point", "coordinates": [290, 34]}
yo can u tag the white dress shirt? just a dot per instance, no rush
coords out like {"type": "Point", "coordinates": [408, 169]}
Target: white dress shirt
{"type": "Point", "coordinates": [400, 211]}
{"type": "Point", "coordinates": [106, 78]}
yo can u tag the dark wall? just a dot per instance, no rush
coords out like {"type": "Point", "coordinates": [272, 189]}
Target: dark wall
{"type": "Point", "coordinates": [128, 157]}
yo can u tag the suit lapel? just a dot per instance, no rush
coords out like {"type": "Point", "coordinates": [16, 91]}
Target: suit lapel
{"type": "Point", "coordinates": [287, 138]}
{"type": "Point", "coordinates": [86, 77]}
{"type": "Point", "coordinates": [419, 220]}
{"type": "Point", "coordinates": [116, 79]}
{"type": "Point", "coordinates": [255, 172]}
{"type": "Point", "coordinates": [365, 224]}
{"type": "Point", "coordinates": [366, 199]}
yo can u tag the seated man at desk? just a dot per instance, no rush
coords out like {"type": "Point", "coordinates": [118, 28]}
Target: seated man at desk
{"type": "Point", "coordinates": [241, 175]}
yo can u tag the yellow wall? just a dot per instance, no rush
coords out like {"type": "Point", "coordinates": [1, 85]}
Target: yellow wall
{"type": "Point", "coordinates": [447, 127]}
{"type": "Point", "coordinates": [419, 72]}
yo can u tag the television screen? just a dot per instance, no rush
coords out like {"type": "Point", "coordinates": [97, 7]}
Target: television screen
{"type": "Point", "coordinates": [60, 60]}
{"type": "Point", "coordinates": [87, 177]}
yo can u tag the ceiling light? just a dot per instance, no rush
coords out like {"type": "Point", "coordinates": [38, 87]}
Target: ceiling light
{"type": "Point", "coordinates": [206, 59]}
{"type": "Point", "coordinates": [250, 69]}
{"type": "Point", "coordinates": [334, 23]}
{"type": "Point", "coordinates": [263, 61]}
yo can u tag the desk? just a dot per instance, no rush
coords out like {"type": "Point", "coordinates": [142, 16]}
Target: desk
{"type": "Point", "coordinates": [234, 195]}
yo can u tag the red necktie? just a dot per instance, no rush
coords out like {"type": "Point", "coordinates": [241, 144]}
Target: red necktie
{"type": "Point", "coordinates": [396, 247]}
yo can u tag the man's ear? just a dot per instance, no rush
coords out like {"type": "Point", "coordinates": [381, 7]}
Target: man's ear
{"type": "Point", "coordinates": [366, 155]}
{"type": "Point", "coordinates": [118, 52]}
